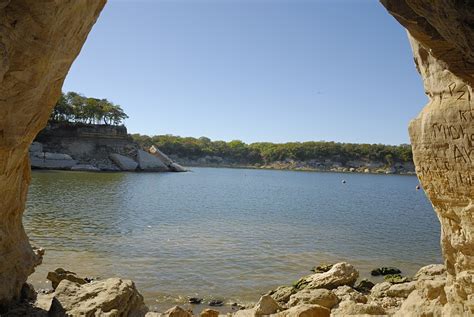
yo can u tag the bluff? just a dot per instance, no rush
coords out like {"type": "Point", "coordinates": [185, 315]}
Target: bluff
{"type": "Point", "coordinates": [94, 147]}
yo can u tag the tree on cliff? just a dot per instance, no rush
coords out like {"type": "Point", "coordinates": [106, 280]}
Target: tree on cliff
{"type": "Point", "coordinates": [74, 107]}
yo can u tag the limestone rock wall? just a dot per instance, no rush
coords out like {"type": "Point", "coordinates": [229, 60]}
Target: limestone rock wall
{"type": "Point", "coordinates": [38, 42]}
{"type": "Point", "coordinates": [442, 37]}
{"type": "Point", "coordinates": [87, 144]}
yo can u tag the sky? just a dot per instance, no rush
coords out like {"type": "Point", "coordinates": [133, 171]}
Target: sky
{"type": "Point", "coordinates": [253, 70]}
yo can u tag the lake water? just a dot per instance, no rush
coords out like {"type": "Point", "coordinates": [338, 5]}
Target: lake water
{"type": "Point", "coordinates": [226, 233]}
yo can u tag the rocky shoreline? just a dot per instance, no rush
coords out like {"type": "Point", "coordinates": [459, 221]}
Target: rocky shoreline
{"type": "Point", "coordinates": [332, 290]}
{"type": "Point", "coordinates": [284, 167]}
{"type": "Point", "coordinates": [364, 167]}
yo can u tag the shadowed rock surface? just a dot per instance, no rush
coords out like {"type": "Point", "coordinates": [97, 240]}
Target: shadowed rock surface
{"type": "Point", "coordinates": [61, 274]}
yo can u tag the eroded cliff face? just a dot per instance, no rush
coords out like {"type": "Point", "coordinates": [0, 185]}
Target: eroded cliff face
{"type": "Point", "coordinates": [38, 42]}
{"type": "Point", "coordinates": [442, 37]}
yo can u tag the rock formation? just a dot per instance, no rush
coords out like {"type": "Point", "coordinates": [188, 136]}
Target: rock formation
{"type": "Point", "coordinates": [175, 167]}
{"type": "Point", "coordinates": [39, 40]}
{"type": "Point", "coordinates": [422, 295]}
{"type": "Point", "coordinates": [149, 162]}
{"type": "Point", "coordinates": [123, 162]}
{"type": "Point", "coordinates": [60, 274]}
{"type": "Point", "coordinates": [340, 274]}
{"type": "Point", "coordinates": [87, 144]}
{"type": "Point", "coordinates": [441, 33]}
{"type": "Point", "coordinates": [94, 147]}
{"type": "Point", "coordinates": [110, 297]}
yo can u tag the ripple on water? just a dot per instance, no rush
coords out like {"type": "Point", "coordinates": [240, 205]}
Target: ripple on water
{"type": "Point", "coordinates": [226, 233]}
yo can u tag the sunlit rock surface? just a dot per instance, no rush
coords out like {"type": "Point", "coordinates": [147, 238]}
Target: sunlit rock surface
{"type": "Point", "coordinates": [442, 37]}
{"type": "Point", "coordinates": [111, 297]}
{"type": "Point", "coordinates": [38, 42]}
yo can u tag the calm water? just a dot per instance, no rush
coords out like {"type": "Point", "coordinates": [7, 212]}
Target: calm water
{"type": "Point", "coordinates": [226, 233]}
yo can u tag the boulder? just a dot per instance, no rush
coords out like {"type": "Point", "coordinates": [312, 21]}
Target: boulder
{"type": "Point", "coordinates": [123, 162]}
{"type": "Point", "coordinates": [380, 289]}
{"type": "Point", "coordinates": [160, 155]}
{"type": "Point", "coordinates": [417, 304]}
{"type": "Point", "coordinates": [282, 294]}
{"type": "Point", "coordinates": [49, 160]}
{"type": "Point", "coordinates": [345, 292]}
{"type": "Point", "coordinates": [43, 301]}
{"type": "Point", "coordinates": [148, 162]}
{"type": "Point", "coordinates": [389, 304]}
{"type": "Point", "coordinates": [340, 274]}
{"type": "Point", "coordinates": [266, 306]}
{"type": "Point", "coordinates": [216, 302]}
{"type": "Point", "coordinates": [364, 286]}
{"type": "Point", "coordinates": [85, 168]}
{"type": "Point", "coordinates": [401, 290]}
{"type": "Point", "coordinates": [110, 297]}
{"type": "Point", "coordinates": [385, 271]}
{"type": "Point", "coordinates": [175, 167]}
{"type": "Point", "coordinates": [177, 311]}
{"type": "Point", "coordinates": [56, 156]}
{"type": "Point", "coordinates": [195, 300]}
{"type": "Point", "coordinates": [52, 164]}
{"type": "Point", "coordinates": [348, 308]}
{"type": "Point", "coordinates": [209, 313]}
{"type": "Point", "coordinates": [305, 310]}
{"type": "Point", "coordinates": [430, 272]}
{"type": "Point", "coordinates": [61, 274]}
{"type": "Point", "coordinates": [245, 313]}
{"type": "Point", "coordinates": [321, 296]}
{"type": "Point", "coordinates": [431, 289]}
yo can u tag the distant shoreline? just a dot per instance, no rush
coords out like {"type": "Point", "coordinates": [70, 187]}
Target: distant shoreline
{"type": "Point", "coordinates": [305, 170]}
{"type": "Point", "coordinates": [93, 147]}
{"type": "Point", "coordinates": [344, 170]}
{"type": "Point", "coordinates": [249, 167]}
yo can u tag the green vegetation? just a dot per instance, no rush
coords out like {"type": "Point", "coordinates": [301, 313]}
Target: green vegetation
{"type": "Point", "coordinates": [265, 153]}
{"type": "Point", "coordinates": [76, 108]}
{"type": "Point", "coordinates": [395, 278]}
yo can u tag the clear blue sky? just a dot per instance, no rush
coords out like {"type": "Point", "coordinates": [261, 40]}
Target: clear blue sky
{"type": "Point", "coordinates": [254, 70]}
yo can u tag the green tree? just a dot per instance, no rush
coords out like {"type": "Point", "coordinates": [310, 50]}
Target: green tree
{"type": "Point", "coordinates": [73, 107]}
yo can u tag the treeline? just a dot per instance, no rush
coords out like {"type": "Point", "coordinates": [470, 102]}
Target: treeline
{"type": "Point", "coordinates": [265, 152]}
{"type": "Point", "coordinates": [73, 107]}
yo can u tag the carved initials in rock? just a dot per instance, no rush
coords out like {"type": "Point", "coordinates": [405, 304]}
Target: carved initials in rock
{"type": "Point", "coordinates": [442, 138]}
